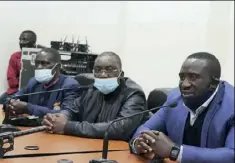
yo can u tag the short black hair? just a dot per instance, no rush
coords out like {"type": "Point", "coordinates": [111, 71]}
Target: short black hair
{"type": "Point", "coordinates": [54, 54]}
{"type": "Point", "coordinates": [114, 55]}
{"type": "Point", "coordinates": [34, 36]}
{"type": "Point", "coordinates": [215, 68]}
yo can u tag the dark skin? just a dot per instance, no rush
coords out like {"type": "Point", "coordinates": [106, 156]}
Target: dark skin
{"type": "Point", "coordinates": [195, 79]}
{"type": "Point", "coordinates": [104, 67]}
{"type": "Point", "coordinates": [42, 61]}
{"type": "Point", "coordinates": [26, 40]}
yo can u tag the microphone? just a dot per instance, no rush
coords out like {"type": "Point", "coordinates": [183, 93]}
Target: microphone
{"type": "Point", "coordinates": [106, 139]}
{"type": "Point", "coordinates": [29, 131]}
{"type": "Point", "coordinates": [51, 91]}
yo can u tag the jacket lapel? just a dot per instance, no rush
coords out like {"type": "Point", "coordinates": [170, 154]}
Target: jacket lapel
{"type": "Point", "coordinates": [182, 119]}
{"type": "Point", "coordinates": [213, 107]}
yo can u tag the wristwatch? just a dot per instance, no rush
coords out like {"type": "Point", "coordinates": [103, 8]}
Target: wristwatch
{"type": "Point", "coordinates": [175, 150]}
{"type": "Point", "coordinates": [132, 147]}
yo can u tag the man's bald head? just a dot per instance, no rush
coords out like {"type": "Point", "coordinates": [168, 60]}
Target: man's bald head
{"type": "Point", "coordinates": [107, 62]}
{"type": "Point", "coordinates": [110, 56]}
{"type": "Point", "coordinates": [51, 54]}
{"type": "Point", "coordinates": [47, 58]}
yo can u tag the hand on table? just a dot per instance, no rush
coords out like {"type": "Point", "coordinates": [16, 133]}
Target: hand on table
{"type": "Point", "coordinates": [159, 143]}
{"type": "Point", "coordinates": [55, 122]}
{"type": "Point", "coordinates": [142, 147]}
{"type": "Point", "coordinates": [17, 107]}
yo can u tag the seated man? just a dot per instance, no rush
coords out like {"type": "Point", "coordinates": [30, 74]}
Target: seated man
{"type": "Point", "coordinates": [200, 129]}
{"type": "Point", "coordinates": [47, 78]}
{"type": "Point", "coordinates": [27, 39]}
{"type": "Point", "coordinates": [107, 99]}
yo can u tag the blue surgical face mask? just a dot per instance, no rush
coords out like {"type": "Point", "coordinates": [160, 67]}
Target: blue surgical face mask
{"type": "Point", "coordinates": [44, 75]}
{"type": "Point", "coordinates": [106, 85]}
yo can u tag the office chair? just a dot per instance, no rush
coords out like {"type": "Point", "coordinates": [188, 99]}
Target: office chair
{"type": "Point", "coordinates": [157, 97]}
{"type": "Point", "coordinates": [84, 79]}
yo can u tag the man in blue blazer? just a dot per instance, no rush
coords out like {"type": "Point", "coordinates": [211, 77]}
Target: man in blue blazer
{"type": "Point", "coordinates": [47, 78]}
{"type": "Point", "coordinates": [200, 129]}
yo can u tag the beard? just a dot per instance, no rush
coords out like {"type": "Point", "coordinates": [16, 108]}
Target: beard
{"type": "Point", "coordinates": [194, 102]}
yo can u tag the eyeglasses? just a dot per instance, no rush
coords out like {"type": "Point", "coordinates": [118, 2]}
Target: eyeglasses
{"type": "Point", "coordinates": [108, 71]}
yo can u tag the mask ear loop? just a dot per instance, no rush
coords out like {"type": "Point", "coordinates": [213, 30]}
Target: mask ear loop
{"type": "Point", "coordinates": [53, 68]}
{"type": "Point", "coordinates": [120, 74]}
{"type": "Point", "coordinates": [120, 77]}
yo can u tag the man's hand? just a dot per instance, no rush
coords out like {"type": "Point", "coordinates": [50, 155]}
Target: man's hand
{"type": "Point", "coordinates": [48, 121]}
{"type": "Point", "coordinates": [55, 122]}
{"type": "Point", "coordinates": [159, 142]}
{"type": "Point", "coordinates": [17, 107]}
{"type": "Point", "coordinates": [59, 123]}
{"type": "Point", "coordinates": [142, 147]}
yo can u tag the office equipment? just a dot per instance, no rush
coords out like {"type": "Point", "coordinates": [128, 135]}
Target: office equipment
{"type": "Point", "coordinates": [74, 46]}
{"type": "Point", "coordinates": [74, 63]}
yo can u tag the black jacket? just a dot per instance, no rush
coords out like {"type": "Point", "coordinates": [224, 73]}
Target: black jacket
{"type": "Point", "coordinates": [92, 112]}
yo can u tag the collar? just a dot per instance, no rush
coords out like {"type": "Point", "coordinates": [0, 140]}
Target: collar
{"type": "Point", "coordinates": [47, 86]}
{"type": "Point", "coordinates": [201, 108]}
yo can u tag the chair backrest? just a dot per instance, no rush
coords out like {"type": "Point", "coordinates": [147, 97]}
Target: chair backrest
{"type": "Point", "coordinates": [157, 97]}
{"type": "Point", "coordinates": [85, 79]}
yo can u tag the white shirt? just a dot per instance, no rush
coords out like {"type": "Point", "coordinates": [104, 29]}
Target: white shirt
{"type": "Point", "coordinates": [194, 116]}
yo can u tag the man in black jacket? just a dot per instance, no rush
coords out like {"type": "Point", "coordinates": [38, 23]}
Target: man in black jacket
{"type": "Point", "coordinates": [107, 99]}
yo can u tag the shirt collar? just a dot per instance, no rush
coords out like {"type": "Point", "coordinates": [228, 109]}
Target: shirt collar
{"type": "Point", "coordinates": [201, 108]}
{"type": "Point", "coordinates": [47, 86]}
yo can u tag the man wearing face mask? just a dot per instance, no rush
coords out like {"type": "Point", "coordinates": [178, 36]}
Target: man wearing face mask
{"type": "Point", "coordinates": [200, 129]}
{"type": "Point", "coordinates": [27, 39]}
{"type": "Point", "coordinates": [108, 99]}
{"type": "Point", "coordinates": [47, 78]}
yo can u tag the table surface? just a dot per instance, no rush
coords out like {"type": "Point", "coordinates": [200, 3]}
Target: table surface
{"type": "Point", "coordinates": [52, 143]}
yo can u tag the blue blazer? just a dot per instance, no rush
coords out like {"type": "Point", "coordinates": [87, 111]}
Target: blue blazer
{"type": "Point", "coordinates": [217, 136]}
{"type": "Point", "coordinates": [41, 104]}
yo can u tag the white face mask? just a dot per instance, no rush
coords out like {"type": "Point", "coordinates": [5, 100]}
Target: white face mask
{"type": "Point", "coordinates": [44, 75]}
{"type": "Point", "coordinates": [106, 85]}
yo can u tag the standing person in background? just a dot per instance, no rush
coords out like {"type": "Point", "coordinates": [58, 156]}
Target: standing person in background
{"type": "Point", "coordinates": [27, 39]}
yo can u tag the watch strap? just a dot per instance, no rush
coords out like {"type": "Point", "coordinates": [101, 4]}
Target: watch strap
{"type": "Point", "coordinates": [175, 150]}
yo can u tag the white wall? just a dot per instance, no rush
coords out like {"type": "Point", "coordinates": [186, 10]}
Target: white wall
{"type": "Point", "coordinates": [152, 38]}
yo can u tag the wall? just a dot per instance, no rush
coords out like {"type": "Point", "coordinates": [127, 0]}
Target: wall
{"type": "Point", "coordinates": [152, 38]}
